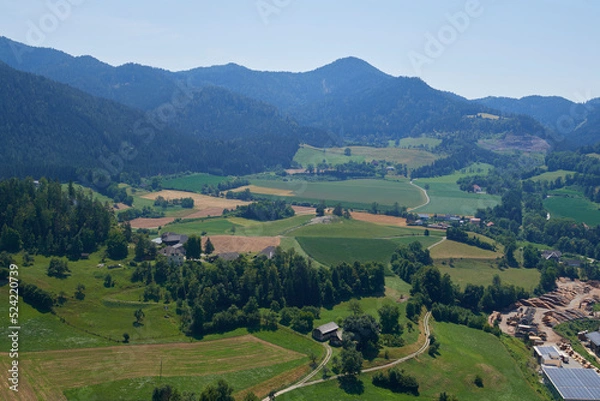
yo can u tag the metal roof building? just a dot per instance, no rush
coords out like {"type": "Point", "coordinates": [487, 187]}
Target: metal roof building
{"type": "Point", "coordinates": [594, 338]}
{"type": "Point", "coordinates": [573, 384]}
{"type": "Point", "coordinates": [548, 356]}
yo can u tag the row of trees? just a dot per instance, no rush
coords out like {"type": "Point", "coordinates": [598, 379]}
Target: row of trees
{"type": "Point", "coordinates": [264, 211]}
{"type": "Point", "coordinates": [461, 235]}
{"type": "Point", "coordinates": [414, 265]}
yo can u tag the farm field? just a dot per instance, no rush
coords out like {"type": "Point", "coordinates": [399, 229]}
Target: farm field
{"type": "Point", "coordinates": [464, 353]}
{"type": "Point", "coordinates": [552, 175]}
{"type": "Point", "coordinates": [332, 251]}
{"type": "Point", "coordinates": [204, 206]}
{"type": "Point", "coordinates": [452, 249]}
{"type": "Point", "coordinates": [49, 373]}
{"type": "Point", "coordinates": [416, 142]}
{"type": "Point", "coordinates": [240, 226]}
{"type": "Point", "coordinates": [341, 228]}
{"type": "Point", "coordinates": [447, 198]}
{"type": "Point", "coordinates": [229, 243]}
{"type": "Point", "coordinates": [192, 182]}
{"type": "Point", "coordinates": [577, 208]}
{"type": "Point", "coordinates": [379, 219]}
{"type": "Point", "coordinates": [367, 191]}
{"type": "Point", "coordinates": [201, 202]}
{"type": "Point", "coordinates": [482, 272]}
{"type": "Point", "coordinates": [402, 155]}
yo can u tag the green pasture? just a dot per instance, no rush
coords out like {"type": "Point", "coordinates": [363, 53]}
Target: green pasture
{"type": "Point", "coordinates": [574, 207]}
{"type": "Point", "coordinates": [141, 388]}
{"type": "Point", "coordinates": [333, 251]}
{"type": "Point", "coordinates": [412, 157]}
{"type": "Point", "coordinates": [192, 182]}
{"type": "Point", "coordinates": [464, 353]}
{"type": "Point", "coordinates": [342, 228]}
{"type": "Point", "coordinates": [482, 272]}
{"type": "Point", "coordinates": [367, 191]}
{"type": "Point", "coordinates": [552, 175]}
{"type": "Point", "coordinates": [447, 198]}
{"type": "Point", "coordinates": [424, 141]}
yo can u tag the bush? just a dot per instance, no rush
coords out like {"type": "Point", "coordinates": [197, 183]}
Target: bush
{"type": "Point", "coordinates": [397, 381]}
{"type": "Point", "coordinates": [58, 268]}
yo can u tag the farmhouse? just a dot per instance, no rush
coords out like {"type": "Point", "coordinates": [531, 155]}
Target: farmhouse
{"type": "Point", "coordinates": [594, 339]}
{"type": "Point", "coordinates": [326, 331]}
{"type": "Point", "coordinates": [175, 254]}
{"type": "Point", "coordinates": [477, 189]}
{"type": "Point", "coordinates": [269, 252]}
{"type": "Point", "coordinates": [572, 384]}
{"type": "Point", "coordinates": [551, 255]}
{"type": "Point", "coordinates": [173, 239]}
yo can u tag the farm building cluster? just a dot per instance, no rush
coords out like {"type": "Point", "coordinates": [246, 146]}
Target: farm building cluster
{"type": "Point", "coordinates": [172, 246]}
{"type": "Point", "coordinates": [443, 221]}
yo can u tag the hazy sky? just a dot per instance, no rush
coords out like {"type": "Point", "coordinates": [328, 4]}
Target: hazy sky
{"type": "Point", "coordinates": [474, 48]}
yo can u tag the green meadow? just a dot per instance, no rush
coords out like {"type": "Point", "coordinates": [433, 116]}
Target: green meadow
{"type": "Point", "coordinates": [192, 182]}
{"type": "Point", "coordinates": [552, 175]}
{"type": "Point", "coordinates": [447, 198]}
{"type": "Point", "coordinates": [464, 353]}
{"type": "Point", "coordinates": [574, 207]}
{"type": "Point", "coordinates": [405, 154]}
{"type": "Point", "coordinates": [365, 192]}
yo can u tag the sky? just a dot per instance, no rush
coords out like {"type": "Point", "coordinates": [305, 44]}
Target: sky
{"type": "Point", "coordinates": [474, 48]}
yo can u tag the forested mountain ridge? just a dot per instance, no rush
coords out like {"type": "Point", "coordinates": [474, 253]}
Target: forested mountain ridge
{"type": "Point", "coordinates": [573, 124]}
{"type": "Point", "coordinates": [134, 85]}
{"type": "Point", "coordinates": [289, 91]}
{"type": "Point", "coordinates": [52, 129]}
{"type": "Point", "coordinates": [348, 97]}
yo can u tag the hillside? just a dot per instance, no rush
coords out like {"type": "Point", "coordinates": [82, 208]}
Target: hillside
{"type": "Point", "coordinates": [573, 124]}
{"type": "Point", "coordinates": [52, 129]}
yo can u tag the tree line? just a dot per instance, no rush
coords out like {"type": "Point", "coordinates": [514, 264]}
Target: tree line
{"type": "Point", "coordinates": [41, 217]}
{"type": "Point", "coordinates": [429, 287]}
{"type": "Point", "coordinates": [224, 295]}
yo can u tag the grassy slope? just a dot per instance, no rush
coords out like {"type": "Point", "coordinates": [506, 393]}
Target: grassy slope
{"type": "Point", "coordinates": [330, 251]}
{"type": "Point", "coordinates": [482, 272]}
{"type": "Point", "coordinates": [367, 191]}
{"type": "Point", "coordinates": [446, 196]}
{"type": "Point", "coordinates": [552, 175]}
{"type": "Point", "coordinates": [464, 353]}
{"type": "Point", "coordinates": [192, 182]}
{"type": "Point", "coordinates": [577, 208]}
{"type": "Point", "coordinates": [412, 157]}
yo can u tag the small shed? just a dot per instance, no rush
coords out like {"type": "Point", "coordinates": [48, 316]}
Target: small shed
{"type": "Point", "coordinates": [325, 332]}
{"type": "Point", "coordinates": [548, 356]}
{"type": "Point", "coordinates": [594, 339]}
{"type": "Point", "coordinates": [269, 252]}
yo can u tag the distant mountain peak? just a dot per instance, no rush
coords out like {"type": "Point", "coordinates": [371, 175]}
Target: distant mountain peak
{"type": "Point", "coordinates": [351, 64]}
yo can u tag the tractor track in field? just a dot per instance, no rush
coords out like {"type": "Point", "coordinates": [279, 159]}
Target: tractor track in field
{"type": "Point", "coordinates": [424, 193]}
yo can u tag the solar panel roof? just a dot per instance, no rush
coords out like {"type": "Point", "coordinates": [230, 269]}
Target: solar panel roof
{"type": "Point", "coordinates": [575, 384]}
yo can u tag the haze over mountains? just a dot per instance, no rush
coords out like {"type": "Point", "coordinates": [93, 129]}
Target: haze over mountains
{"type": "Point", "coordinates": [234, 120]}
